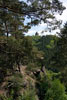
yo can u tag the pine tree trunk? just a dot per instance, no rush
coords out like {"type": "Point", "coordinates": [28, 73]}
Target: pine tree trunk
{"type": "Point", "coordinates": [6, 29]}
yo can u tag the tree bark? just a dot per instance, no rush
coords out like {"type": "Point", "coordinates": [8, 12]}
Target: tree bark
{"type": "Point", "coordinates": [6, 29]}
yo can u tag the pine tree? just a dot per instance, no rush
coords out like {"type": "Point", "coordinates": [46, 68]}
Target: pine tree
{"type": "Point", "coordinates": [61, 53]}
{"type": "Point", "coordinates": [13, 13]}
{"type": "Point", "coordinates": [12, 17]}
{"type": "Point", "coordinates": [11, 23]}
{"type": "Point", "coordinates": [60, 58]}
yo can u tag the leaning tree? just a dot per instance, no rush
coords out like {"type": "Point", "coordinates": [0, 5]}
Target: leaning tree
{"type": "Point", "coordinates": [13, 14]}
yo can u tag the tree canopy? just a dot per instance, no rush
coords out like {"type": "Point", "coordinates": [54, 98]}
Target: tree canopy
{"type": "Point", "coordinates": [23, 75]}
{"type": "Point", "coordinates": [14, 12]}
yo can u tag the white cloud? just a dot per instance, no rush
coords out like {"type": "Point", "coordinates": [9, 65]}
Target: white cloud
{"type": "Point", "coordinates": [31, 32]}
{"type": "Point", "coordinates": [64, 14]}
{"type": "Point", "coordinates": [42, 26]}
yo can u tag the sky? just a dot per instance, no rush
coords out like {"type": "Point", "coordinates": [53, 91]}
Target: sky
{"type": "Point", "coordinates": [41, 26]}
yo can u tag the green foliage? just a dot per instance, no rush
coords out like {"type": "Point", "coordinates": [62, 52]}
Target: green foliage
{"type": "Point", "coordinates": [60, 57]}
{"type": "Point", "coordinates": [42, 86]}
{"type": "Point", "coordinates": [56, 92]}
{"type": "Point", "coordinates": [32, 66]}
{"type": "Point", "coordinates": [14, 86]}
{"type": "Point", "coordinates": [29, 95]}
{"type": "Point", "coordinates": [15, 51]}
{"type": "Point", "coordinates": [13, 13]}
{"type": "Point", "coordinates": [61, 53]}
{"type": "Point", "coordinates": [53, 75]}
{"type": "Point", "coordinates": [48, 45]}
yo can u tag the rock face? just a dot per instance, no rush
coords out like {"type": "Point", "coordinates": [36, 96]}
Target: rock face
{"type": "Point", "coordinates": [3, 90]}
{"type": "Point", "coordinates": [27, 79]}
{"type": "Point", "coordinates": [43, 69]}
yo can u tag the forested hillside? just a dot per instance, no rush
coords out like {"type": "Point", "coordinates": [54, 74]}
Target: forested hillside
{"type": "Point", "coordinates": [48, 45]}
{"type": "Point", "coordinates": [32, 67]}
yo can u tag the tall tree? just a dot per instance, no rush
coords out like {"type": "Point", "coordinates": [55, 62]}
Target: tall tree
{"type": "Point", "coordinates": [12, 18]}
{"type": "Point", "coordinates": [60, 58]}
{"type": "Point", "coordinates": [61, 53]}
{"type": "Point", "coordinates": [37, 11]}
{"type": "Point", "coordinates": [12, 23]}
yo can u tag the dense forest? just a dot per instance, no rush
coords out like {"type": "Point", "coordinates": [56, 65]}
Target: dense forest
{"type": "Point", "coordinates": [32, 67]}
